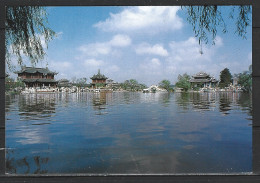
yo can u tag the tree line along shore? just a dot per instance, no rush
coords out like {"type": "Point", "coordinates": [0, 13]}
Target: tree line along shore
{"type": "Point", "coordinates": [200, 82]}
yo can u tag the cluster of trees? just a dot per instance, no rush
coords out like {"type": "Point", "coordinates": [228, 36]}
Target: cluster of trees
{"type": "Point", "coordinates": [80, 82]}
{"type": "Point", "coordinates": [166, 84]}
{"type": "Point", "coordinates": [183, 82]}
{"type": "Point", "coordinates": [11, 85]}
{"type": "Point", "coordinates": [244, 80]}
{"type": "Point", "coordinates": [132, 85]}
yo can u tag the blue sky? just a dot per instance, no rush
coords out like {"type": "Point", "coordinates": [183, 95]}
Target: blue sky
{"type": "Point", "coordinates": [145, 43]}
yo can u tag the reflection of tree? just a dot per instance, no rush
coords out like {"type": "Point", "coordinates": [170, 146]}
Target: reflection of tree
{"type": "Point", "coordinates": [36, 106]}
{"type": "Point", "coordinates": [25, 165]}
{"type": "Point", "coordinates": [224, 102]}
{"type": "Point", "coordinates": [202, 101]}
{"type": "Point", "coordinates": [9, 100]}
{"type": "Point", "coordinates": [183, 100]}
{"type": "Point", "coordinates": [165, 99]}
{"type": "Point", "coordinates": [245, 102]}
{"type": "Point", "coordinates": [199, 101]}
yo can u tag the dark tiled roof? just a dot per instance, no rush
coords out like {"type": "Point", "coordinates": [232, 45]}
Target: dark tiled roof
{"type": "Point", "coordinates": [39, 80]}
{"type": "Point", "coordinates": [35, 70]}
{"type": "Point", "coordinates": [203, 80]}
{"type": "Point", "coordinates": [98, 76]}
{"type": "Point", "coordinates": [201, 74]}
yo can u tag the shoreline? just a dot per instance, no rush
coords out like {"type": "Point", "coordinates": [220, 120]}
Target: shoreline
{"type": "Point", "coordinates": [59, 92]}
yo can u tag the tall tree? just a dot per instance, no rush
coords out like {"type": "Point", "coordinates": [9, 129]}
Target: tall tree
{"type": "Point", "coordinates": [225, 78]}
{"type": "Point", "coordinates": [165, 84]}
{"type": "Point", "coordinates": [27, 33]}
{"type": "Point", "coordinates": [183, 82]}
{"type": "Point", "coordinates": [245, 80]}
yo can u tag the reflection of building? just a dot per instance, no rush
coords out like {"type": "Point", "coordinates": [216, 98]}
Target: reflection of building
{"type": "Point", "coordinates": [38, 106]}
{"type": "Point", "coordinates": [37, 77]}
{"type": "Point", "coordinates": [98, 80]}
{"type": "Point", "coordinates": [203, 79]}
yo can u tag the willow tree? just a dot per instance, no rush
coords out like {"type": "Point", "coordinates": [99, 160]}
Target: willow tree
{"type": "Point", "coordinates": [27, 34]}
{"type": "Point", "coordinates": [206, 21]}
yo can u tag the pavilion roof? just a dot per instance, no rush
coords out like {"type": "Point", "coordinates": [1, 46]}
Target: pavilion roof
{"type": "Point", "coordinates": [64, 81]}
{"type": "Point", "coordinates": [203, 80]}
{"type": "Point", "coordinates": [35, 70]}
{"type": "Point", "coordinates": [42, 80]}
{"type": "Point", "coordinates": [201, 75]}
{"type": "Point", "coordinates": [98, 76]}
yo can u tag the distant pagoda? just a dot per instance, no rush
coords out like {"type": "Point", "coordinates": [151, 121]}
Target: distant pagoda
{"type": "Point", "coordinates": [37, 77]}
{"type": "Point", "coordinates": [98, 79]}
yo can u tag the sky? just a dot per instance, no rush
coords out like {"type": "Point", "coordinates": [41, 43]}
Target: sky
{"type": "Point", "coordinates": [148, 44]}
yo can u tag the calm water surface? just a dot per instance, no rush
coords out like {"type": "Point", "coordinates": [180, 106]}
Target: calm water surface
{"type": "Point", "coordinates": [129, 133]}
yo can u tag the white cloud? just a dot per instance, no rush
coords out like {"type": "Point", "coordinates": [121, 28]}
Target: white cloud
{"type": "Point", "coordinates": [188, 56]}
{"type": "Point", "coordinates": [95, 49]}
{"type": "Point", "coordinates": [120, 41]}
{"type": "Point", "coordinates": [93, 62]}
{"type": "Point", "coordinates": [151, 18]}
{"type": "Point", "coordinates": [155, 62]}
{"type": "Point", "coordinates": [189, 50]}
{"type": "Point", "coordinates": [151, 67]}
{"type": "Point", "coordinates": [218, 41]}
{"type": "Point", "coordinates": [105, 48]}
{"type": "Point", "coordinates": [157, 49]}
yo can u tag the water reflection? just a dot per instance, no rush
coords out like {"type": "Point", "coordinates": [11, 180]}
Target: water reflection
{"type": "Point", "coordinates": [99, 102]}
{"type": "Point", "coordinates": [33, 165]}
{"type": "Point", "coordinates": [128, 132]}
{"type": "Point", "coordinates": [37, 106]}
{"type": "Point", "coordinates": [225, 100]}
{"type": "Point", "coordinates": [208, 101]}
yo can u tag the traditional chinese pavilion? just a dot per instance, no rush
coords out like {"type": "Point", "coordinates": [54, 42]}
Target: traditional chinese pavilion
{"type": "Point", "coordinates": [37, 77]}
{"type": "Point", "coordinates": [203, 79]}
{"type": "Point", "coordinates": [98, 79]}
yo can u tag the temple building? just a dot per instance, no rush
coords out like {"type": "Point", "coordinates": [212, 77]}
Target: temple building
{"type": "Point", "coordinates": [203, 80]}
{"type": "Point", "coordinates": [98, 80]}
{"type": "Point", "coordinates": [37, 77]}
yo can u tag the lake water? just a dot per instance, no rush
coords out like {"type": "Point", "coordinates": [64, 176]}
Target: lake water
{"type": "Point", "coordinates": [129, 133]}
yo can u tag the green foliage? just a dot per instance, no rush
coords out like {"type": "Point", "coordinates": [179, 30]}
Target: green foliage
{"type": "Point", "coordinates": [225, 78]}
{"type": "Point", "coordinates": [245, 80]}
{"type": "Point", "coordinates": [132, 85]}
{"type": "Point", "coordinates": [100, 85]}
{"type": "Point", "coordinates": [10, 84]}
{"type": "Point", "coordinates": [183, 82]}
{"type": "Point", "coordinates": [81, 82]}
{"type": "Point", "coordinates": [207, 20]}
{"type": "Point", "coordinates": [165, 84]}
{"type": "Point", "coordinates": [26, 27]}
